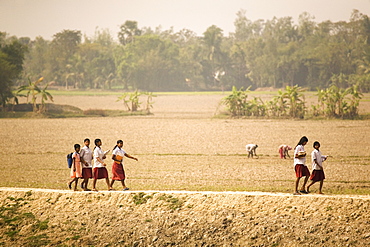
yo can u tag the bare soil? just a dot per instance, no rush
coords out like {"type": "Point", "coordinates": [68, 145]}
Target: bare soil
{"type": "Point", "coordinates": [182, 148]}
{"type": "Point", "coordinates": [62, 218]}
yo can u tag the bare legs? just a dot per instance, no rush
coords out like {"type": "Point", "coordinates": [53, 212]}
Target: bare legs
{"type": "Point", "coordinates": [107, 182]}
{"type": "Point", "coordinates": [122, 182]}
{"type": "Point", "coordinates": [74, 180]}
{"type": "Point", "coordinates": [320, 187]}
{"type": "Point", "coordinates": [84, 184]}
{"type": "Point", "coordinates": [303, 185]}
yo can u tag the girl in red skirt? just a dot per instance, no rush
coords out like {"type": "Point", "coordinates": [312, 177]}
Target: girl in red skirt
{"type": "Point", "coordinates": [100, 170]}
{"type": "Point", "coordinates": [300, 167]}
{"type": "Point", "coordinates": [117, 167]}
{"type": "Point", "coordinates": [86, 158]}
{"type": "Point", "coordinates": [318, 171]}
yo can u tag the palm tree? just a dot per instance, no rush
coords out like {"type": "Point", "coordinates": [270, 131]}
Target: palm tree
{"type": "Point", "coordinates": [45, 95]}
{"type": "Point", "coordinates": [296, 103]}
{"type": "Point", "coordinates": [149, 102]}
{"type": "Point", "coordinates": [133, 98]}
{"type": "Point", "coordinates": [33, 90]}
{"type": "Point", "coordinates": [124, 100]}
{"type": "Point", "coordinates": [355, 101]}
{"type": "Point", "coordinates": [236, 102]}
{"type": "Point", "coordinates": [280, 103]}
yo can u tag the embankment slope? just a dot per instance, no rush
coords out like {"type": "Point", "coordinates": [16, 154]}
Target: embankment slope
{"type": "Point", "coordinates": [37, 217]}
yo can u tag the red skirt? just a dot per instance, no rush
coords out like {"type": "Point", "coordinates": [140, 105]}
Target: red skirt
{"type": "Point", "coordinates": [100, 172]}
{"type": "Point", "coordinates": [317, 175]}
{"type": "Point", "coordinates": [118, 172]}
{"type": "Point", "coordinates": [281, 152]}
{"type": "Point", "coordinates": [301, 171]}
{"type": "Point", "coordinates": [87, 172]}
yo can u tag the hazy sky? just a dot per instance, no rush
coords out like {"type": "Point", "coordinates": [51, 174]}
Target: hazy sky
{"type": "Point", "coordinates": [31, 18]}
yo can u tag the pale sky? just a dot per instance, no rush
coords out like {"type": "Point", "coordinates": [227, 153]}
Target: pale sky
{"type": "Point", "coordinates": [32, 18]}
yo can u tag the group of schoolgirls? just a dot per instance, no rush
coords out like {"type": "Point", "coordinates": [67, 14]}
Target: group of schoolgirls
{"type": "Point", "coordinates": [83, 169]}
{"type": "Point", "coordinates": [301, 169]}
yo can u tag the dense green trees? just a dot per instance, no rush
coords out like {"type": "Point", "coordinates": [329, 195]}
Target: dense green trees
{"type": "Point", "coordinates": [262, 53]}
{"type": "Point", "coordinates": [11, 65]}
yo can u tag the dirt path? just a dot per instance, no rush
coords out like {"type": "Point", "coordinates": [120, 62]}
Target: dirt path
{"type": "Point", "coordinates": [37, 217]}
{"type": "Point", "coordinates": [246, 193]}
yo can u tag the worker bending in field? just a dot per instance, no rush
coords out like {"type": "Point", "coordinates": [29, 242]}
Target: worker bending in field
{"type": "Point", "coordinates": [251, 149]}
{"type": "Point", "coordinates": [283, 151]}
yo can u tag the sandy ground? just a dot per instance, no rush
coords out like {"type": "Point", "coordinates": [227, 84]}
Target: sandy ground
{"type": "Point", "coordinates": [181, 218]}
{"type": "Point", "coordinates": [181, 147]}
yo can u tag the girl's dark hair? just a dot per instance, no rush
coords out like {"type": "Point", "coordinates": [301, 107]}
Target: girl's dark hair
{"type": "Point", "coordinates": [302, 140]}
{"type": "Point", "coordinates": [118, 142]}
{"type": "Point", "coordinates": [77, 146]}
{"type": "Point", "coordinates": [96, 142]}
{"type": "Point", "coordinates": [316, 143]}
{"type": "Point", "coordinates": [87, 139]}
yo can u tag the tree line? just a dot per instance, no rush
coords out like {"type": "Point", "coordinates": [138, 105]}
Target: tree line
{"type": "Point", "coordinates": [262, 53]}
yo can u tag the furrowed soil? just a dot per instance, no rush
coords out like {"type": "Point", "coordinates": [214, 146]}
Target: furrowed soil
{"type": "Point", "coordinates": [184, 153]}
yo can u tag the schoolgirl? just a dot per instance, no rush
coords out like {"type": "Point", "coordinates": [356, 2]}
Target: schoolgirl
{"type": "Point", "coordinates": [318, 174]}
{"type": "Point", "coordinates": [100, 170]}
{"type": "Point", "coordinates": [86, 160]}
{"type": "Point", "coordinates": [76, 170]}
{"type": "Point", "coordinates": [117, 167]}
{"type": "Point", "coordinates": [300, 167]}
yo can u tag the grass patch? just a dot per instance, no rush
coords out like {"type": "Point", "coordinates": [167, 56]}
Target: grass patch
{"type": "Point", "coordinates": [38, 240]}
{"type": "Point", "coordinates": [12, 220]}
{"type": "Point", "coordinates": [172, 202]}
{"type": "Point", "coordinates": [65, 111]}
{"type": "Point", "coordinates": [119, 92]}
{"type": "Point", "coordinates": [141, 198]}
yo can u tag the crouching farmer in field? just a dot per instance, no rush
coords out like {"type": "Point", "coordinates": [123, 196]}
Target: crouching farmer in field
{"type": "Point", "coordinates": [283, 151]}
{"type": "Point", "coordinates": [251, 149]}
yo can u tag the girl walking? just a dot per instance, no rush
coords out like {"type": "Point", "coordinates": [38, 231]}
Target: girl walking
{"type": "Point", "coordinates": [76, 171]}
{"type": "Point", "coordinates": [318, 174]}
{"type": "Point", "coordinates": [100, 170]}
{"type": "Point", "coordinates": [300, 167]}
{"type": "Point", "coordinates": [117, 167]}
{"type": "Point", "coordinates": [86, 160]}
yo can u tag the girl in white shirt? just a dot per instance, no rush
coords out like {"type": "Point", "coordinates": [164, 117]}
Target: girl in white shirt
{"type": "Point", "coordinates": [300, 167]}
{"type": "Point", "coordinates": [318, 171]}
{"type": "Point", "coordinates": [100, 170]}
{"type": "Point", "coordinates": [117, 167]}
{"type": "Point", "coordinates": [86, 161]}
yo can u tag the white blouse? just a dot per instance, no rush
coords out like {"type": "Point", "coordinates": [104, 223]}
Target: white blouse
{"type": "Point", "coordinates": [119, 151]}
{"type": "Point", "coordinates": [98, 153]}
{"type": "Point", "coordinates": [87, 155]}
{"type": "Point", "coordinates": [316, 155]}
{"type": "Point", "coordinates": [301, 160]}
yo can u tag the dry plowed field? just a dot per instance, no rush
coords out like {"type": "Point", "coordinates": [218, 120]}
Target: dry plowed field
{"type": "Point", "coordinates": [183, 147]}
